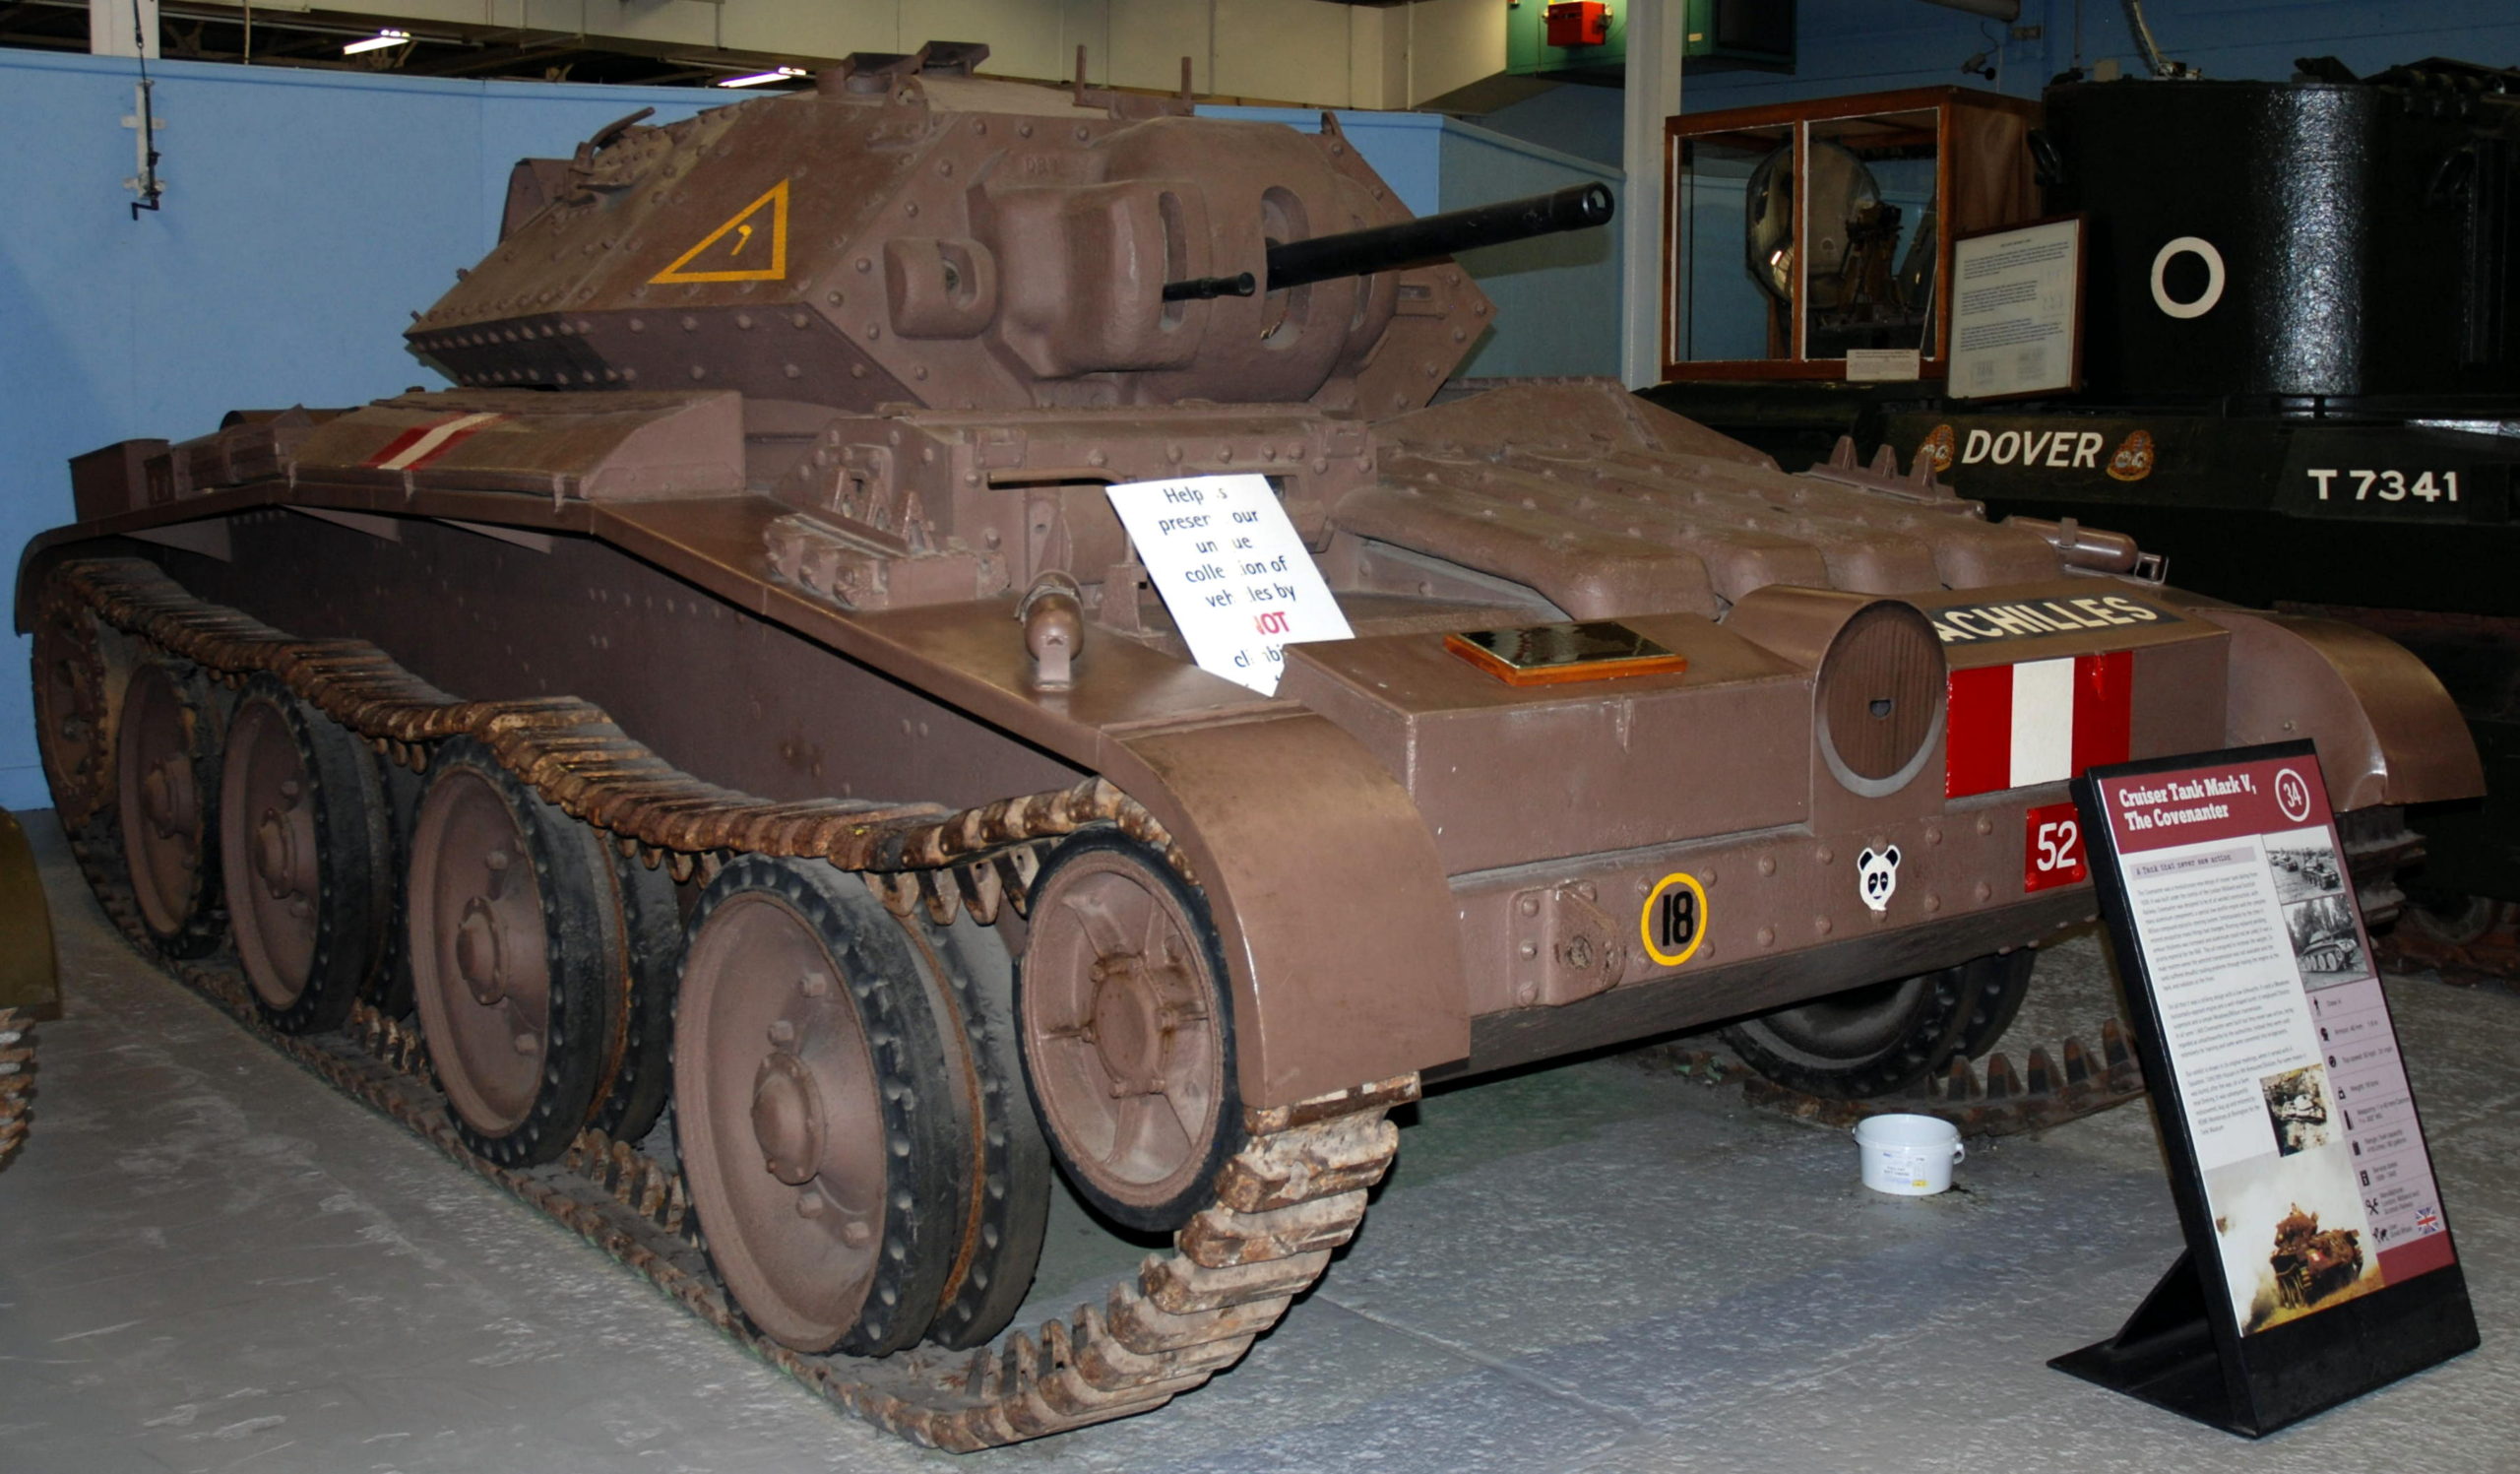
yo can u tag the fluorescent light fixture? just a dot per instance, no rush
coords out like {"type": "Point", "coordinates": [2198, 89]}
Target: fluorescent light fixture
{"type": "Point", "coordinates": [389, 37]}
{"type": "Point", "coordinates": [756, 79]}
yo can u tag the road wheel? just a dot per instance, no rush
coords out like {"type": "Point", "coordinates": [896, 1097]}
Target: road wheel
{"type": "Point", "coordinates": [1884, 1038]}
{"type": "Point", "coordinates": [166, 783]}
{"type": "Point", "coordinates": [74, 699]}
{"type": "Point", "coordinates": [2451, 921]}
{"type": "Point", "coordinates": [305, 856]}
{"type": "Point", "coordinates": [517, 957]}
{"type": "Point", "coordinates": [815, 1110]}
{"type": "Point", "coordinates": [1128, 1035]}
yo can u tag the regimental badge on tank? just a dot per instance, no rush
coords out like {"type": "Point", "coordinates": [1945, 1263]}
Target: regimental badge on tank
{"type": "Point", "coordinates": [2134, 458]}
{"type": "Point", "coordinates": [1941, 445]}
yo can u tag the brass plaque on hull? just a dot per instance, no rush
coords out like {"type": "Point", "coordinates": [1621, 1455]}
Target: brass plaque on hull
{"type": "Point", "coordinates": [1547, 653]}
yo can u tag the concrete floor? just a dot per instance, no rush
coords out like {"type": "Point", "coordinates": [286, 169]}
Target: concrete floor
{"type": "Point", "coordinates": [210, 1262]}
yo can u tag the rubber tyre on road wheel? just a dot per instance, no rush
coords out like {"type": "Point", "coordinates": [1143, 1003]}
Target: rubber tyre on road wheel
{"type": "Point", "coordinates": [651, 929]}
{"type": "Point", "coordinates": [1008, 1196]}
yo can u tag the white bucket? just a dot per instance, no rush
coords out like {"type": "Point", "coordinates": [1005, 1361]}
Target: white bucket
{"type": "Point", "coordinates": [1910, 1155]}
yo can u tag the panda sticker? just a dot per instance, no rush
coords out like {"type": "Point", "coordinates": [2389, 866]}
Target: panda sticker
{"type": "Point", "coordinates": [1878, 876]}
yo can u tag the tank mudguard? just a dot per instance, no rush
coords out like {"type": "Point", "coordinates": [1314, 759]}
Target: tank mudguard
{"type": "Point", "coordinates": [1337, 922]}
{"type": "Point", "coordinates": [2386, 730]}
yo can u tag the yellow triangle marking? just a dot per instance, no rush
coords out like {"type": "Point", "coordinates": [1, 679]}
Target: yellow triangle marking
{"type": "Point", "coordinates": [734, 263]}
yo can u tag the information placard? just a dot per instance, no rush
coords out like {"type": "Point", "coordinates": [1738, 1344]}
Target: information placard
{"type": "Point", "coordinates": [2319, 1261]}
{"type": "Point", "coordinates": [1234, 575]}
{"type": "Point", "coordinates": [2016, 310]}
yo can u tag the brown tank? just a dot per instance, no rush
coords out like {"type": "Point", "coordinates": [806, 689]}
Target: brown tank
{"type": "Point", "coordinates": [2309, 1262]}
{"type": "Point", "coordinates": [739, 689]}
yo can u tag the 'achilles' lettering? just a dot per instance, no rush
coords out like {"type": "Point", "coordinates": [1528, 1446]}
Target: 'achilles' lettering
{"type": "Point", "coordinates": [2012, 619]}
{"type": "Point", "coordinates": [1972, 623]}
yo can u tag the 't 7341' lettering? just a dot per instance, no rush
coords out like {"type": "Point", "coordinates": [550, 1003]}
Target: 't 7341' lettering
{"type": "Point", "coordinates": [2384, 485]}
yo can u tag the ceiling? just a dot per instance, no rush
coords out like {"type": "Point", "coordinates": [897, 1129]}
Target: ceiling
{"type": "Point", "coordinates": [314, 38]}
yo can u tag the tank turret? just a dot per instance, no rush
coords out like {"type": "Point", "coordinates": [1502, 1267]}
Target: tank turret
{"type": "Point", "coordinates": [900, 235]}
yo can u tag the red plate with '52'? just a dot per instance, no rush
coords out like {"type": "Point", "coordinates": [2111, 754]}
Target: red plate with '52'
{"type": "Point", "coordinates": [2052, 848]}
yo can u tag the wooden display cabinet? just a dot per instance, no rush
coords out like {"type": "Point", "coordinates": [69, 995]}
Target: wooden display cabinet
{"type": "Point", "coordinates": [1800, 232]}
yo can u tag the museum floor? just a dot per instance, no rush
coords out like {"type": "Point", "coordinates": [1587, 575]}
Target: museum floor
{"type": "Point", "coordinates": [210, 1262]}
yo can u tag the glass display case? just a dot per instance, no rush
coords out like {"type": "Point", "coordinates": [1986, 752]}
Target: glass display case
{"type": "Point", "coordinates": [1813, 240]}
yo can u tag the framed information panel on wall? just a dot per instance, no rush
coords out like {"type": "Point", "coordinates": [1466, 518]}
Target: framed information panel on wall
{"type": "Point", "coordinates": [2319, 1263]}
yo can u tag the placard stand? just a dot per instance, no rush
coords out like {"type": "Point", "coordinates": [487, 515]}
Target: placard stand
{"type": "Point", "coordinates": [2319, 1263]}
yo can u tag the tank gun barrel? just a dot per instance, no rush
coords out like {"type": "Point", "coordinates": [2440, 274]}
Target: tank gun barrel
{"type": "Point", "coordinates": [1356, 253]}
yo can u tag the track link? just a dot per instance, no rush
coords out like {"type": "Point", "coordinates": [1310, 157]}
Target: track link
{"type": "Point", "coordinates": [1293, 1193]}
{"type": "Point", "coordinates": [2058, 1084]}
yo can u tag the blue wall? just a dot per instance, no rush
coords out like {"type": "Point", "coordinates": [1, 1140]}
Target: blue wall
{"type": "Point", "coordinates": [1557, 299]}
{"type": "Point", "coordinates": [1578, 118]}
{"type": "Point", "coordinates": [306, 214]}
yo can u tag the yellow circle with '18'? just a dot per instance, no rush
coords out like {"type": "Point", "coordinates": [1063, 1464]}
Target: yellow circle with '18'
{"type": "Point", "coordinates": [1656, 904]}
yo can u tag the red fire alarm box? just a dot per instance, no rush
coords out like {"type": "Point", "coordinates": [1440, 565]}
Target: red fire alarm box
{"type": "Point", "coordinates": [1582, 23]}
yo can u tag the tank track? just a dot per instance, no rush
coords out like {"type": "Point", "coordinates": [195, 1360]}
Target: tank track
{"type": "Point", "coordinates": [1990, 1100]}
{"type": "Point", "coordinates": [1296, 1191]}
{"type": "Point", "coordinates": [17, 1080]}
{"type": "Point", "coordinates": [2380, 849]}
{"type": "Point", "coordinates": [2479, 950]}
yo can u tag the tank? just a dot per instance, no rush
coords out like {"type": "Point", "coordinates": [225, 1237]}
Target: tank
{"type": "Point", "coordinates": [735, 704]}
{"type": "Point", "coordinates": [2298, 408]}
{"type": "Point", "coordinates": [2311, 1264]}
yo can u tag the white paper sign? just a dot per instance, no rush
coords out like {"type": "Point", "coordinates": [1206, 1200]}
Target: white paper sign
{"type": "Point", "coordinates": [2014, 316]}
{"type": "Point", "coordinates": [1884, 365]}
{"type": "Point", "coordinates": [1238, 579]}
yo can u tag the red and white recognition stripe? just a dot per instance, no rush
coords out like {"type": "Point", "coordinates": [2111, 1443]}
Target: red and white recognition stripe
{"type": "Point", "coordinates": [419, 445]}
{"type": "Point", "coordinates": [2037, 722]}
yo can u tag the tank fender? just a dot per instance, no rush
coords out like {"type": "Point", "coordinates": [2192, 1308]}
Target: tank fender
{"type": "Point", "coordinates": [2387, 732]}
{"type": "Point", "coordinates": [1338, 925]}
